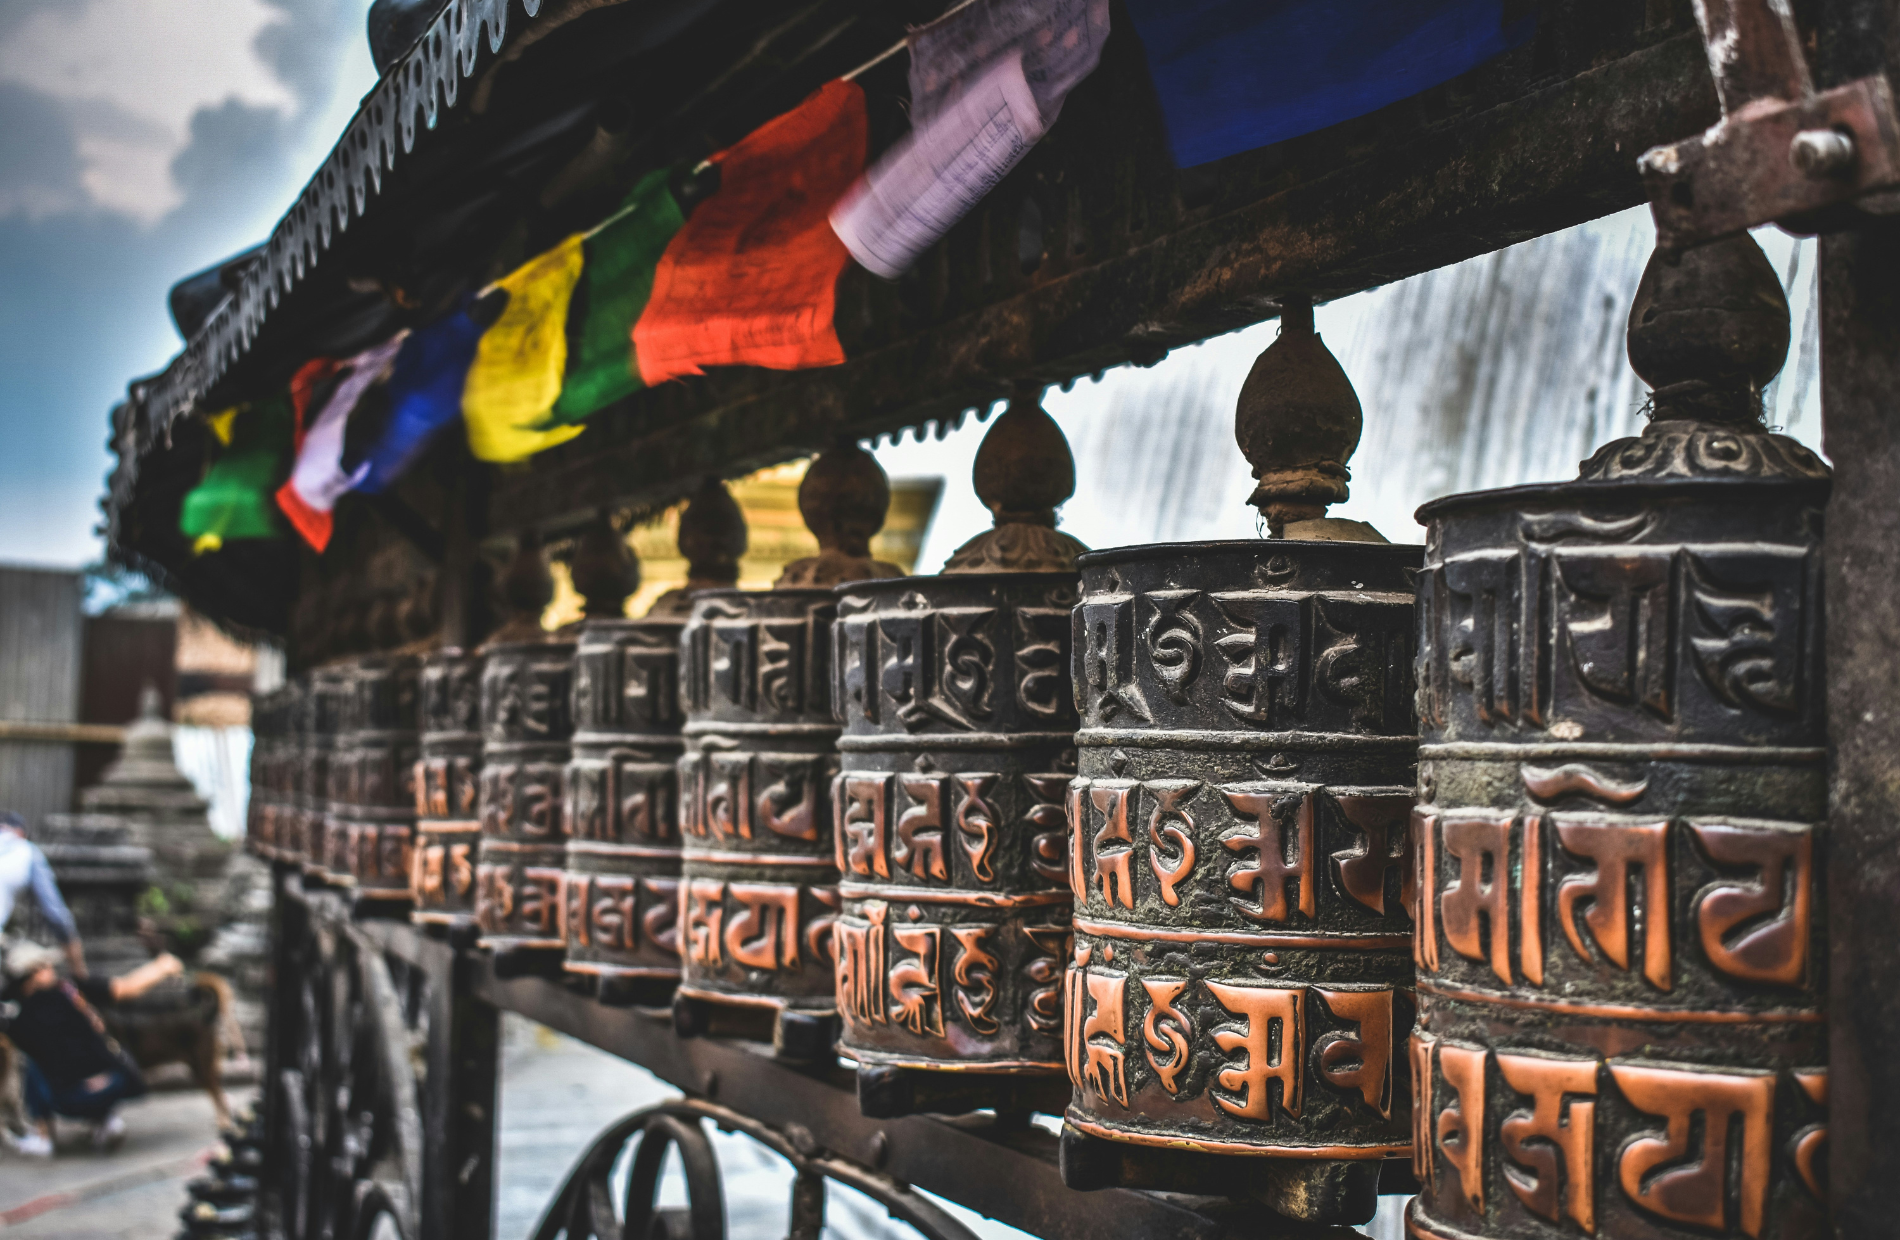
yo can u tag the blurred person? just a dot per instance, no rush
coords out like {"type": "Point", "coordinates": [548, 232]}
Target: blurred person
{"type": "Point", "coordinates": [24, 867]}
{"type": "Point", "coordinates": [73, 1068]}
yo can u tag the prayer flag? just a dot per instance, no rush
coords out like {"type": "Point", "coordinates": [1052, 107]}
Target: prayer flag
{"type": "Point", "coordinates": [516, 375]}
{"type": "Point", "coordinates": [751, 277]}
{"type": "Point", "coordinates": [975, 112]}
{"type": "Point", "coordinates": [1059, 41]}
{"type": "Point", "coordinates": [425, 394]}
{"type": "Point", "coordinates": [305, 384]}
{"type": "Point", "coordinates": [615, 283]}
{"type": "Point", "coordinates": [1233, 75]}
{"type": "Point", "coordinates": [234, 500]}
{"type": "Point", "coordinates": [318, 478]}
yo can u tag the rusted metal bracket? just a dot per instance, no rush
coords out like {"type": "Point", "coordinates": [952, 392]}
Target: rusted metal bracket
{"type": "Point", "coordinates": [1781, 152]}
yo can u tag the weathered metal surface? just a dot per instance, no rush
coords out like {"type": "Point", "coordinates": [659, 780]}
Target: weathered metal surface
{"type": "Point", "coordinates": [323, 707]}
{"type": "Point", "coordinates": [1621, 786]}
{"type": "Point", "coordinates": [271, 773]}
{"type": "Point", "coordinates": [448, 773]}
{"type": "Point", "coordinates": [1781, 151]}
{"type": "Point", "coordinates": [1241, 976]}
{"type": "Point", "coordinates": [957, 751]}
{"type": "Point", "coordinates": [1860, 323]}
{"type": "Point", "coordinates": [527, 719]}
{"type": "Point", "coordinates": [377, 764]}
{"type": "Point", "coordinates": [621, 810]}
{"type": "Point", "coordinates": [759, 888]}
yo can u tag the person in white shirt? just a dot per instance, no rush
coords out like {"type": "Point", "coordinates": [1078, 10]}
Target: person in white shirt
{"type": "Point", "coordinates": [24, 867]}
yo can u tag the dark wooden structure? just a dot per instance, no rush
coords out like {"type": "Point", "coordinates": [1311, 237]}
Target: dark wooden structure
{"type": "Point", "coordinates": [510, 123]}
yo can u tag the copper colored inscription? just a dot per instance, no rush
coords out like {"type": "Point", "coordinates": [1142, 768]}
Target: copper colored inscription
{"type": "Point", "coordinates": [1693, 1184]}
{"type": "Point", "coordinates": [1552, 1143]}
{"type": "Point", "coordinates": [1618, 848]}
{"type": "Point", "coordinates": [1774, 949]}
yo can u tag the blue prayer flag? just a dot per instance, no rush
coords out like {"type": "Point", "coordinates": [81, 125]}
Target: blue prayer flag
{"type": "Point", "coordinates": [425, 395]}
{"type": "Point", "coordinates": [1233, 75]}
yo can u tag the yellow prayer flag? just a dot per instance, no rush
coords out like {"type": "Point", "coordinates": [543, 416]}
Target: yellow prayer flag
{"type": "Point", "coordinates": [516, 376]}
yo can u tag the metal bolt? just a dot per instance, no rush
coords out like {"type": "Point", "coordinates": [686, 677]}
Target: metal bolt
{"type": "Point", "coordinates": [1822, 153]}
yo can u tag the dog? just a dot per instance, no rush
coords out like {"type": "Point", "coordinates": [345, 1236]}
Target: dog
{"type": "Point", "coordinates": [189, 1020]}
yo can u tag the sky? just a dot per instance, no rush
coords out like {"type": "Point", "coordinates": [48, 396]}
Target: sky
{"type": "Point", "coordinates": [140, 141]}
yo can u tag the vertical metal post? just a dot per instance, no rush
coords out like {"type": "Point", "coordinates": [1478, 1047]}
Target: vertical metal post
{"type": "Point", "coordinates": [1860, 377]}
{"type": "Point", "coordinates": [459, 1102]}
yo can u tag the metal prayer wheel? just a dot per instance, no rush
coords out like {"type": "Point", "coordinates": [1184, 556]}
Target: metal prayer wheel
{"type": "Point", "coordinates": [758, 882]}
{"type": "Point", "coordinates": [1622, 783]}
{"type": "Point", "coordinates": [324, 858]}
{"type": "Point", "coordinates": [527, 690]}
{"type": "Point", "coordinates": [260, 815]}
{"type": "Point", "coordinates": [621, 800]}
{"type": "Point", "coordinates": [1240, 989]}
{"type": "Point", "coordinates": [290, 832]}
{"type": "Point", "coordinates": [957, 752]}
{"type": "Point", "coordinates": [379, 754]}
{"type": "Point", "coordinates": [448, 822]}
{"type": "Point", "coordinates": [527, 720]}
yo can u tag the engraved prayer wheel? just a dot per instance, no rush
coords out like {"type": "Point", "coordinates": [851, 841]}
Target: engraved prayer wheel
{"type": "Point", "coordinates": [380, 753]}
{"type": "Point", "coordinates": [759, 891]}
{"type": "Point", "coordinates": [957, 752]}
{"type": "Point", "coordinates": [323, 859]}
{"type": "Point", "coordinates": [260, 815]}
{"type": "Point", "coordinates": [1622, 783]}
{"type": "Point", "coordinates": [621, 797]}
{"type": "Point", "coordinates": [1240, 991]}
{"type": "Point", "coordinates": [290, 833]}
{"type": "Point", "coordinates": [448, 822]}
{"type": "Point", "coordinates": [527, 719]}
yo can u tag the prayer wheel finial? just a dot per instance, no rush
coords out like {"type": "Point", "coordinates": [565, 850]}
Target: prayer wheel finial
{"type": "Point", "coordinates": [1297, 422]}
{"type": "Point", "coordinates": [604, 569]}
{"type": "Point", "coordinates": [526, 590]}
{"type": "Point", "coordinates": [712, 537]}
{"type": "Point", "coordinates": [1707, 332]}
{"type": "Point", "coordinates": [843, 499]}
{"type": "Point", "coordinates": [1024, 472]}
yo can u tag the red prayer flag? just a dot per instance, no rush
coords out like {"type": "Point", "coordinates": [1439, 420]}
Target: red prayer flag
{"type": "Point", "coordinates": [303, 385]}
{"type": "Point", "coordinates": [751, 279]}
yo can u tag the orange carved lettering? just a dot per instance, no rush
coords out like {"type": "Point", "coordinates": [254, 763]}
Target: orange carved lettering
{"type": "Point", "coordinates": [975, 978]}
{"type": "Point", "coordinates": [1478, 904]}
{"type": "Point", "coordinates": [1265, 882]}
{"type": "Point", "coordinates": [660, 923]}
{"type": "Point", "coordinates": [762, 933]}
{"type": "Point", "coordinates": [861, 825]}
{"type": "Point", "coordinates": [1774, 949]}
{"type": "Point", "coordinates": [1424, 829]}
{"type": "Point", "coordinates": [1362, 870]}
{"type": "Point", "coordinates": [1111, 865]}
{"type": "Point", "coordinates": [540, 900]}
{"type": "Point", "coordinates": [916, 997]}
{"type": "Point", "coordinates": [1552, 1143]}
{"type": "Point", "coordinates": [1459, 1132]}
{"type": "Point", "coordinates": [1421, 1048]}
{"type": "Point", "coordinates": [1166, 1029]}
{"type": "Point", "coordinates": [1248, 1085]}
{"type": "Point", "coordinates": [704, 901]}
{"type": "Point", "coordinates": [1694, 1185]}
{"type": "Point", "coordinates": [1810, 1143]}
{"type": "Point", "coordinates": [919, 842]}
{"type": "Point", "coordinates": [1362, 1063]}
{"type": "Point", "coordinates": [1104, 1067]}
{"type": "Point", "coordinates": [1171, 872]}
{"type": "Point", "coordinates": [789, 804]}
{"type": "Point", "coordinates": [976, 824]}
{"type": "Point", "coordinates": [611, 912]}
{"type": "Point", "coordinates": [1078, 823]}
{"type": "Point", "coordinates": [1530, 901]}
{"type": "Point", "coordinates": [1618, 848]}
{"type": "Point", "coordinates": [574, 910]}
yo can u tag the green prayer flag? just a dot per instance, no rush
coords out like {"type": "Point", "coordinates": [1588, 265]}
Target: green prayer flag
{"type": "Point", "coordinates": [235, 498]}
{"type": "Point", "coordinates": [616, 279]}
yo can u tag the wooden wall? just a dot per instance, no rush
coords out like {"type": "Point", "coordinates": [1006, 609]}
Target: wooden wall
{"type": "Point", "coordinates": [40, 627]}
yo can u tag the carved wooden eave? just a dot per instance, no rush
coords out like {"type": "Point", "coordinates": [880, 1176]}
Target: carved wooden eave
{"type": "Point", "coordinates": [1096, 251]}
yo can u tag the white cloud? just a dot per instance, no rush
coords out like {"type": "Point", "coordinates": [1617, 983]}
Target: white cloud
{"type": "Point", "coordinates": [134, 72]}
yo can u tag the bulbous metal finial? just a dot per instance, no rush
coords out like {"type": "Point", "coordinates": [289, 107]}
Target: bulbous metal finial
{"type": "Point", "coordinates": [1707, 331]}
{"type": "Point", "coordinates": [712, 537]}
{"type": "Point", "coordinates": [604, 569]}
{"type": "Point", "coordinates": [1024, 471]}
{"type": "Point", "coordinates": [843, 498]}
{"type": "Point", "coordinates": [1297, 422]}
{"type": "Point", "coordinates": [526, 589]}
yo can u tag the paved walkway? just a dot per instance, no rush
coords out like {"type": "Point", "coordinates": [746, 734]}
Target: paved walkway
{"type": "Point", "coordinates": [556, 1095]}
{"type": "Point", "coordinates": [132, 1194]}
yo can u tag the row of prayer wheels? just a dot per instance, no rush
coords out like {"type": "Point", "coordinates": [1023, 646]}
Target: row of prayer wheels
{"type": "Point", "coordinates": [1282, 866]}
